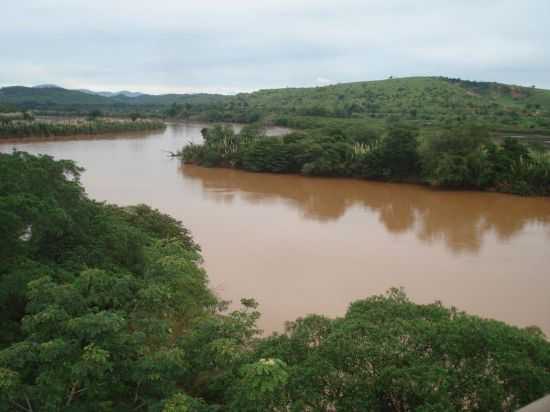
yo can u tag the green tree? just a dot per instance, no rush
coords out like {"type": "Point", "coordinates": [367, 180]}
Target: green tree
{"type": "Point", "coordinates": [28, 116]}
{"type": "Point", "coordinates": [398, 153]}
{"type": "Point", "coordinates": [95, 114]}
{"type": "Point", "coordinates": [388, 353]}
{"type": "Point", "coordinates": [93, 296]}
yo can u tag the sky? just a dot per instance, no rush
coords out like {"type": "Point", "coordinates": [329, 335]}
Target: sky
{"type": "Point", "coordinates": [230, 46]}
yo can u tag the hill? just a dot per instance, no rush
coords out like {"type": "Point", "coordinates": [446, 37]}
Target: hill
{"type": "Point", "coordinates": [48, 96]}
{"type": "Point", "coordinates": [425, 100]}
{"type": "Point", "coordinates": [58, 98]}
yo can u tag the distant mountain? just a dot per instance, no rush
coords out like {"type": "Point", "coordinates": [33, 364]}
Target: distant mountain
{"type": "Point", "coordinates": [47, 86]}
{"type": "Point", "coordinates": [48, 97]}
{"type": "Point", "coordinates": [55, 97]}
{"type": "Point", "coordinates": [124, 93]}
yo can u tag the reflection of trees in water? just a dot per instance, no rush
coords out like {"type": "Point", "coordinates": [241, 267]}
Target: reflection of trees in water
{"type": "Point", "coordinates": [459, 219]}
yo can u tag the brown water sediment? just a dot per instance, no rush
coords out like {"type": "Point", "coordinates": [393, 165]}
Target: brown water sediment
{"type": "Point", "coordinates": [308, 245]}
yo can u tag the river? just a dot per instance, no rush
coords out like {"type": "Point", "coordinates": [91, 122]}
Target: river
{"type": "Point", "coordinates": [310, 245]}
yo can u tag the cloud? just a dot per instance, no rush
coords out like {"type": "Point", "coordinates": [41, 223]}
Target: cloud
{"type": "Point", "coordinates": [242, 45]}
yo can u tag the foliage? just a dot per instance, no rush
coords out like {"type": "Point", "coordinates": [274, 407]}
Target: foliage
{"type": "Point", "coordinates": [93, 125]}
{"type": "Point", "coordinates": [388, 353]}
{"type": "Point", "coordinates": [106, 308]}
{"type": "Point", "coordinates": [93, 296]}
{"type": "Point", "coordinates": [95, 114]}
{"type": "Point", "coordinates": [424, 101]}
{"type": "Point", "coordinates": [261, 386]}
{"type": "Point", "coordinates": [465, 158]}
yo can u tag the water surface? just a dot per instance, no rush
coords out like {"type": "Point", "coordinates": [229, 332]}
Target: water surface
{"type": "Point", "coordinates": [309, 245]}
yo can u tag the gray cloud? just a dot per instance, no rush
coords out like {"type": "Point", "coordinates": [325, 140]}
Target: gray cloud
{"type": "Point", "coordinates": [230, 46]}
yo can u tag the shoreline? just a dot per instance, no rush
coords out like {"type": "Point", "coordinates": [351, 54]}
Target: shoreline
{"type": "Point", "coordinates": [43, 130]}
{"type": "Point", "coordinates": [419, 184]}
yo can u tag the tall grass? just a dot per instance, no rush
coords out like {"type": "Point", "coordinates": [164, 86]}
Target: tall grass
{"type": "Point", "coordinates": [21, 129]}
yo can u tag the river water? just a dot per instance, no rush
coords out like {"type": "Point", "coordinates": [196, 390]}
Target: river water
{"type": "Point", "coordinates": [310, 245]}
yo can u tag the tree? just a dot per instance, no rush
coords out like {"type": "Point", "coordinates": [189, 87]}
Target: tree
{"type": "Point", "coordinates": [388, 353]}
{"type": "Point", "coordinates": [458, 158]}
{"type": "Point", "coordinates": [93, 297]}
{"type": "Point", "coordinates": [28, 116]}
{"type": "Point", "coordinates": [398, 153]}
{"type": "Point", "coordinates": [95, 114]}
{"type": "Point", "coordinates": [174, 110]}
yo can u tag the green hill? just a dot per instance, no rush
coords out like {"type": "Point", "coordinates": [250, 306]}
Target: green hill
{"type": "Point", "coordinates": [52, 98]}
{"type": "Point", "coordinates": [48, 96]}
{"type": "Point", "coordinates": [425, 100]}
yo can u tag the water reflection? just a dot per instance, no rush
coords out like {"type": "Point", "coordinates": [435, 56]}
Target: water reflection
{"type": "Point", "coordinates": [461, 225]}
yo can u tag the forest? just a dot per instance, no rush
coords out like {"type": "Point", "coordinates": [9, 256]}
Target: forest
{"type": "Point", "coordinates": [108, 308]}
{"type": "Point", "coordinates": [457, 158]}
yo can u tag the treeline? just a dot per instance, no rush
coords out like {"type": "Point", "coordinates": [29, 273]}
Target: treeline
{"type": "Point", "coordinates": [37, 128]}
{"type": "Point", "coordinates": [465, 158]}
{"type": "Point", "coordinates": [106, 308]}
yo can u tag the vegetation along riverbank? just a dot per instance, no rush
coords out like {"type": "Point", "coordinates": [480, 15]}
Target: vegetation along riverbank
{"type": "Point", "coordinates": [108, 308]}
{"type": "Point", "coordinates": [459, 158]}
{"type": "Point", "coordinates": [27, 126]}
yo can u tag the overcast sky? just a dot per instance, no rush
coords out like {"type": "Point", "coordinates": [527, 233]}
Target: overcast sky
{"type": "Point", "coordinates": [227, 46]}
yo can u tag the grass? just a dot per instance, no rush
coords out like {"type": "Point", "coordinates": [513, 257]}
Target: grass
{"type": "Point", "coordinates": [43, 128]}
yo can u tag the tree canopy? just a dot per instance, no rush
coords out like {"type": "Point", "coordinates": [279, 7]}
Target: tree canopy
{"type": "Point", "coordinates": [464, 158]}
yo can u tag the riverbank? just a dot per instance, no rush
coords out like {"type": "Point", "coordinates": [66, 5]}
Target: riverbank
{"type": "Point", "coordinates": [68, 127]}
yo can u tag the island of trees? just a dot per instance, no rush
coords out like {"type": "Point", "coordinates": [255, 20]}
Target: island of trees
{"type": "Point", "coordinates": [464, 158]}
{"type": "Point", "coordinates": [107, 308]}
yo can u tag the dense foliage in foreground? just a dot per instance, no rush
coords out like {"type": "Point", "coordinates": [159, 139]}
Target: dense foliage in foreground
{"type": "Point", "coordinates": [17, 129]}
{"type": "Point", "coordinates": [106, 308]}
{"type": "Point", "coordinates": [454, 158]}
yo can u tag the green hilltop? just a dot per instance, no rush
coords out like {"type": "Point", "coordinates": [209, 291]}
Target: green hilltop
{"type": "Point", "coordinates": [424, 100]}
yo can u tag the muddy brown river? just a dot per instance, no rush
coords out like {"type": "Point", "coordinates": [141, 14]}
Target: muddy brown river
{"type": "Point", "coordinates": [308, 245]}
